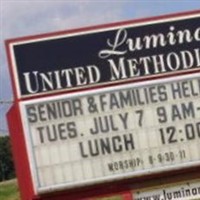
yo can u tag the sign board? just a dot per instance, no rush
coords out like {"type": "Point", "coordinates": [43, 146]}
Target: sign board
{"type": "Point", "coordinates": [105, 55]}
{"type": "Point", "coordinates": [106, 103]}
{"type": "Point", "coordinates": [185, 191]}
{"type": "Point", "coordinates": [113, 133]}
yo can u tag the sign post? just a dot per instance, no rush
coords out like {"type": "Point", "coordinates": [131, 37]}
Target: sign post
{"type": "Point", "coordinates": [109, 104]}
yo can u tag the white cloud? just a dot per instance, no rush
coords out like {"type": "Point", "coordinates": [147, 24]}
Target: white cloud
{"type": "Point", "coordinates": [33, 17]}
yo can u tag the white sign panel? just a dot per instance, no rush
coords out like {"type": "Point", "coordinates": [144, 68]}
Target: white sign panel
{"type": "Point", "coordinates": [114, 133]}
{"type": "Point", "coordinates": [182, 191]}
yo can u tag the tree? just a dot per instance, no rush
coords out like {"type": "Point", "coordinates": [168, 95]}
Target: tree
{"type": "Point", "coordinates": [6, 163]}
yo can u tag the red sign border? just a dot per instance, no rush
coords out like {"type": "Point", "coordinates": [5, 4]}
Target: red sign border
{"type": "Point", "coordinates": [17, 135]}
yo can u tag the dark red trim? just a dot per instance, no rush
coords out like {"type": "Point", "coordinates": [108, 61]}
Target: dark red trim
{"type": "Point", "coordinates": [19, 151]}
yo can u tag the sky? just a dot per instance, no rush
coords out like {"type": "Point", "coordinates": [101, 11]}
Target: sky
{"type": "Point", "coordinates": [31, 17]}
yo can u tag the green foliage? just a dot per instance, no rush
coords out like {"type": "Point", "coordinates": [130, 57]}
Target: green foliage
{"type": "Point", "coordinates": [6, 162]}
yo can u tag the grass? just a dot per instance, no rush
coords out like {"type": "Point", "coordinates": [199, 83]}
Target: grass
{"type": "Point", "coordinates": [9, 190]}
